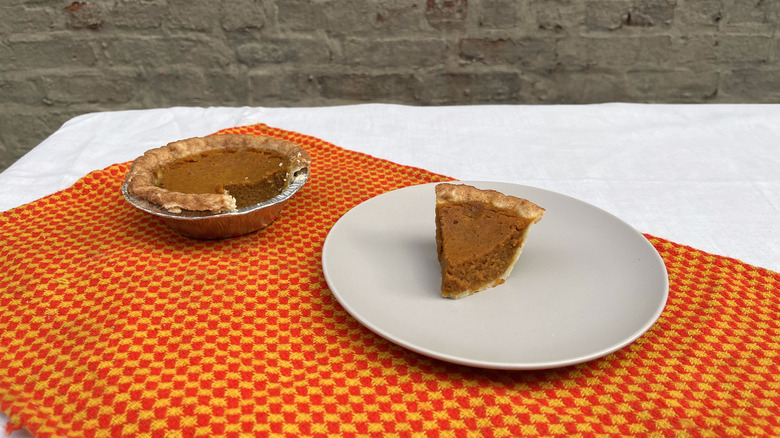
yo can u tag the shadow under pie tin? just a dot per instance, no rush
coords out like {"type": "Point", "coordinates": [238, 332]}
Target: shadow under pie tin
{"type": "Point", "coordinates": [208, 225]}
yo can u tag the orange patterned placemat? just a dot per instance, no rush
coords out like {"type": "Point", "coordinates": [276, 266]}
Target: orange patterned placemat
{"type": "Point", "coordinates": [112, 325]}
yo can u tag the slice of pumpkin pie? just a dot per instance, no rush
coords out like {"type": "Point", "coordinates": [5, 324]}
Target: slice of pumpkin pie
{"type": "Point", "coordinates": [479, 235]}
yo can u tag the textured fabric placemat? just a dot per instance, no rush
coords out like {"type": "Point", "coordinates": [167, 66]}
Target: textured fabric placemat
{"type": "Point", "coordinates": [112, 325]}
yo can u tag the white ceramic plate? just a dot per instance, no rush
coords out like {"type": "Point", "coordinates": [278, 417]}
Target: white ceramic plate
{"type": "Point", "coordinates": [586, 285]}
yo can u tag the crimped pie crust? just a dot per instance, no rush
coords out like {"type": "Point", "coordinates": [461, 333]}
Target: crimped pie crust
{"type": "Point", "coordinates": [458, 193]}
{"type": "Point", "coordinates": [145, 172]}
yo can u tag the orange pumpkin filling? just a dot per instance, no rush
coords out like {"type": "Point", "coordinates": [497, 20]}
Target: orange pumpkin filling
{"type": "Point", "coordinates": [250, 176]}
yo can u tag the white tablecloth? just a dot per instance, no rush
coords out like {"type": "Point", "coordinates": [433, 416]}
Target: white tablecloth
{"type": "Point", "coordinates": [703, 175]}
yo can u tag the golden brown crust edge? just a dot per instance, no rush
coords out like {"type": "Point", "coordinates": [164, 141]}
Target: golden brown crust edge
{"type": "Point", "coordinates": [142, 179]}
{"type": "Point", "coordinates": [455, 193]}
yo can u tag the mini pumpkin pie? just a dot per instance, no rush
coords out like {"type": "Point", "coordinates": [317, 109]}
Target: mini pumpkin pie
{"type": "Point", "coordinates": [218, 173]}
{"type": "Point", "coordinates": [479, 235]}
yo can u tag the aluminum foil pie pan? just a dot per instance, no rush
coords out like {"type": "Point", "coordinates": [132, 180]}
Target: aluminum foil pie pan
{"type": "Point", "coordinates": [207, 225]}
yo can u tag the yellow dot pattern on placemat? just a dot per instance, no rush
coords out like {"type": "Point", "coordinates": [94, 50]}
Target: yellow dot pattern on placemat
{"type": "Point", "coordinates": [112, 325]}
